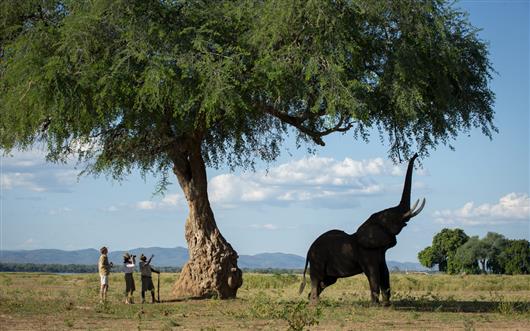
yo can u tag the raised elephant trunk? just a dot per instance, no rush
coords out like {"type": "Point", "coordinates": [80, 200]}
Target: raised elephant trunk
{"type": "Point", "coordinates": [404, 204]}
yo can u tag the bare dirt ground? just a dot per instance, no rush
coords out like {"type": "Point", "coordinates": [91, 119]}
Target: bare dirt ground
{"type": "Point", "coordinates": [269, 302]}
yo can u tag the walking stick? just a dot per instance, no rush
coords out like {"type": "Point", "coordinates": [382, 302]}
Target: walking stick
{"type": "Point", "coordinates": [158, 287]}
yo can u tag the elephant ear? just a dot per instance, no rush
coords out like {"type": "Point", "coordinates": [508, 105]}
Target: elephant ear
{"type": "Point", "coordinates": [373, 235]}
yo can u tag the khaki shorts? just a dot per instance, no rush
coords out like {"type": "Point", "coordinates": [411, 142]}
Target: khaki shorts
{"type": "Point", "coordinates": [104, 280]}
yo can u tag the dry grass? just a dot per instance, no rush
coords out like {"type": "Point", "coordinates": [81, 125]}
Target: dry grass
{"type": "Point", "coordinates": [269, 302]}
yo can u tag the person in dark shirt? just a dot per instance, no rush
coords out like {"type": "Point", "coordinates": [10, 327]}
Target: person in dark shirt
{"type": "Point", "coordinates": [147, 282]}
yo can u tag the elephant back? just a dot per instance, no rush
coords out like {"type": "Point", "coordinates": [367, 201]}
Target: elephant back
{"type": "Point", "coordinates": [372, 235]}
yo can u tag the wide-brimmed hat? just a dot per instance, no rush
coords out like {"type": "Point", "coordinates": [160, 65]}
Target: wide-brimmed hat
{"type": "Point", "coordinates": [126, 255]}
{"type": "Point", "coordinates": [142, 257]}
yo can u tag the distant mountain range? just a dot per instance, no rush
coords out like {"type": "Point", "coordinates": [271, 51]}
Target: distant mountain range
{"type": "Point", "coordinates": [167, 257]}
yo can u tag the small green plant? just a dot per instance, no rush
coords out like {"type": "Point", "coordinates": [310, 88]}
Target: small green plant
{"type": "Point", "coordinates": [172, 323]}
{"type": "Point", "coordinates": [506, 307]}
{"type": "Point", "coordinates": [69, 305]}
{"type": "Point", "coordinates": [105, 308]}
{"type": "Point", "coordinates": [139, 316]}
{"type": "Point", "coordinates": [469, 325]}
{"type": "Point", "coordinates": [69, 323]}
{"type": "Point", "coordinates": [299, 316]}
{"type": "Point", "coordinates": [263, 306]}
{"type": "Point", "coordinates": [415, 315]}
{"type": "Point", "coordinates": [6, 281]}
{"type": "Point", "coordinates": [49, 281]}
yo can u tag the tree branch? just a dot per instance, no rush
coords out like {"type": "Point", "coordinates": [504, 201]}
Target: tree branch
{"type": "Point", "coordinates": [298, 122]}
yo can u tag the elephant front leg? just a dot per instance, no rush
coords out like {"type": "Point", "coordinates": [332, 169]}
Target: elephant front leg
{"type": "Point", "coordinates": [374, 276]}
{"type": "Point", "coordinates": [385, 284]}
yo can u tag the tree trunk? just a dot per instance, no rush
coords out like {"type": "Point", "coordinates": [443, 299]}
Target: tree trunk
{"type": "Point", "coordinates": [483, 264]}
{"type": "Point", "coordinates": [211, 270]}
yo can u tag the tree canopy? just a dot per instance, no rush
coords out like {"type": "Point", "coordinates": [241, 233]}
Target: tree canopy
{"type": "Point", "coordinates": [444, 246]}
{"type": "Point", "coordinates": [121, 83]}
{"type": "Point", "coordinates": [468, 256]}
{"type": "Point", "coordinates": [453, 251]}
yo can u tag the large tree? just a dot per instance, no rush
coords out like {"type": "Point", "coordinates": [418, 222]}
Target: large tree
{"type": "Point", "coordinates": [176, 86]}
{"type": "Point", "coordinates": [468, 256]}
{"type": "Point", "coordinates": [495, 245]}
{"type": "Point", "coordinates": [516, 257]}
{"type": "Point", "coordinates": [443, 249]}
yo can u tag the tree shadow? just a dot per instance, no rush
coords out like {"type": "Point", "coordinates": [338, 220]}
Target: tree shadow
{"type": "Point", "coordinates": [182, 299]}
{"type": "Point", "coordinates": [462, 306]}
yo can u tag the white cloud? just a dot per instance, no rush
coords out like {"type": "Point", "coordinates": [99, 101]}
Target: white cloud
{"type": "Point", "coordinates": [168, 201]}
{"type": "Point", "coordinates": [111, 209]}
{"type": "Point", "coordinates": [314, 181]}
{"type": "Point", "coordinates": [325, 171]}
{"type": "Point", "coordinates": [270, 227]}
{"type": "Point", "coordinates": [23, 159]}
{"type": "Point", "coordinates": [322, 182]}
{"type": "Point", "coordinates": [12, 180]}
{"type": "Point", "coordinates": [511, 208]}
{"type": "Point", "coordinates": [146, 205]}
{"type": "Point", "coordinates": [265, 226]}
{"type": "Point", "coordinates": [29, 243]}
{"type": "Point", "coordinates": [59, 211]}
{"type": "Point", "coordinates": [67, 177]}
{"type": "Point", "coordinates": [28, 170]}
{"type": "Point", "coordinates": [172, 199]}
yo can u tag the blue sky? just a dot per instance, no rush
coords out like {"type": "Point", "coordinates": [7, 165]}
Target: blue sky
{"type": "Point", "coordinates": [481, 186]}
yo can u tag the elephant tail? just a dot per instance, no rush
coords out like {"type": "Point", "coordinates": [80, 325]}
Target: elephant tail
{"type": "Point", "coordinates": [302, 286]}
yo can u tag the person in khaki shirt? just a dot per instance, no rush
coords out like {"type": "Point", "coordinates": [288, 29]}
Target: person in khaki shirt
{"type": "Point", "coordinates": [104, 271]}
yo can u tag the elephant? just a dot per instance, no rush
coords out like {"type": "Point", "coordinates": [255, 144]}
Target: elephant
{"type": "Point", "coordinates": [337, 254]}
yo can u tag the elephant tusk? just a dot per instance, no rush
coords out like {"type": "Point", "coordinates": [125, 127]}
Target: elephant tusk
{"type": "Point", "coordinates": [415, 204]}
{"type": "Point", "coordinates": [411, 213]}
{"type": "Point", "coordinates": [416, 212]}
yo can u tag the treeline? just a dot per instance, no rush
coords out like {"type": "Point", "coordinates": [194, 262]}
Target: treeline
{"type": "Point", "coordinates": [84, 268]}
{"type": "Point", "coordinates": [53, 268]}
{"type": "Point", "coordinates": [453, 251]}
{"type": "Point", "coordinates": [65, 268]}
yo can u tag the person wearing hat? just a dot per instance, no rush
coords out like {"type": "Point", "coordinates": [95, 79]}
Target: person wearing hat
{"type": "Point", "coordinates": [104, 271]}
{"type": "Point", "coordinates": [147, 281]}
{"type": "Point", "coordinates": [129, 262]}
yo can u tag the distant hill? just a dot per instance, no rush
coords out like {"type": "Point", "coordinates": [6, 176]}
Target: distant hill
{"type": "Point", "coordinates": [163, 256]}
{"type": "Point", "coordinates": [168, 257]}
{"type": "Point", "coordinates": [271, 260]}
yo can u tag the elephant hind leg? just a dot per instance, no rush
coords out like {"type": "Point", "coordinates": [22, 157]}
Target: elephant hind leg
{"type": "Point", "coordinates": [315, 291]}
